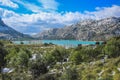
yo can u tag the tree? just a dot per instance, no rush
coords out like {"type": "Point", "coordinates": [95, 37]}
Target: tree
{"type": "Point", "coordinates": [112, 48]}
{"type": "Point", "coordinates": [3, 53]}
{"type": "Point", "coordinates": [21, 42]}
{"type": "Point", "coordinates": [76, 57]}
{"type": "Point", "coordinates": [70, 74]}
{"type": "Point", "coordinates": [49, 59]}
{"type": "Point", "coordinates": [23, 58]}
{"type": "Point", "coordinates": [37, 67]}
{"type": "Point", "coordinates": [19, 58]}
{"type": "Point", "coordinates": [97, 43]}
{"type": "Point", "coordinates": [85, 54]}
{"type": "Point", "coordinates": [59, 54]}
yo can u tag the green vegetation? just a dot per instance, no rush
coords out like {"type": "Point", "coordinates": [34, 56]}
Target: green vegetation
{"type": "Point", "coordinates": [51, 62]}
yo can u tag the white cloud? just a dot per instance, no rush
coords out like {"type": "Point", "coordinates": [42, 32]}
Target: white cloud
{"type": "Point", "coordinates": [29, 6]}
{"type": "Point", "coordinates": [36, 22]}
{"type": "Point", "coordinates": [6, 13]}
{"type": "Point", "coordinates": [8, 3]}
{"type": "Point", "coordinates": [49, 4]}
{"type": "Point", "coordinates": [103, 12]}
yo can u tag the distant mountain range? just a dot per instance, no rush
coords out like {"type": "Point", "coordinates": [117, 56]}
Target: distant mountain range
{"type": "Point", "coordinates": [85, 30]}
{"type": "Point", "coordinates": [8, 33]}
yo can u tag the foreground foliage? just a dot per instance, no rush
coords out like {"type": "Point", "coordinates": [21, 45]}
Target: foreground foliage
{"type": "Point", "coordinates": [50, 62]}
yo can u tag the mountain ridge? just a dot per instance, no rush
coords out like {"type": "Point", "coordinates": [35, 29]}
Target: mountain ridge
{"type": "Point", "coordinates": [9, 33]}
{"type": "Point", "coordinates": [85, 30]}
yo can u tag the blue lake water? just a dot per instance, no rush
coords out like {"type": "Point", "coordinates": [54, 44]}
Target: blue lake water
{"type": "Point", "coordinates": [69, 43]}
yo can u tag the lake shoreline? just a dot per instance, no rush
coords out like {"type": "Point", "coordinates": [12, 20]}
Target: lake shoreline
{"type": "Point", "coordinates": [65, 43]}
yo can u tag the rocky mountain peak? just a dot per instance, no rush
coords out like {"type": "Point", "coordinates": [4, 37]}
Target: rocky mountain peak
{"type": "Point", "coordinates": [7, 32]}
{"type": "Point", "coordinates": [86, 30]}
{"type": "Point", "coordinates": [111, 20]}
{"type": "Point", "coordinates": [1, 23]}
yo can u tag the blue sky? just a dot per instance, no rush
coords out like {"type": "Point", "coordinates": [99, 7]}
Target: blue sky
{"type": "Point", "coordinates": [34, 16]}
{"type": "Point", "coordinates": [83, 5]}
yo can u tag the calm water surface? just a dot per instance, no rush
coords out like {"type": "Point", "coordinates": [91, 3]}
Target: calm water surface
{"type": "Point", "coordinates": [72, 43]}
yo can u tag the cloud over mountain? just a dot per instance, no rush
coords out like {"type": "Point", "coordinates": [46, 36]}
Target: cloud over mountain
{"type": "Point", "coordinates": [46, 16]}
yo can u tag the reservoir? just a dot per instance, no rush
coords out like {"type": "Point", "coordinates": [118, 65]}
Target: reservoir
{"type": "Point", "coordinates": [68, 43]}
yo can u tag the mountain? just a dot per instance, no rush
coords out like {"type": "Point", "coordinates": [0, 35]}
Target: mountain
{"type": "Point", "coordinates": [8, 33]}
{"type": "Point", "coordinates": [85, 30]}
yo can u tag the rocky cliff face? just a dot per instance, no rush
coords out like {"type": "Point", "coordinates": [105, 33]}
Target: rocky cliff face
{"type": "Point", "coordinates": [7, 32]}
{"type": "Point", "coordinates": [85, 30]}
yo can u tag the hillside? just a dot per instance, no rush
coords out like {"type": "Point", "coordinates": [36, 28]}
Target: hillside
{"type": "Point", "coordinates": [85, 30]}
{"type": "Point", "coordinates": [8, 33]}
